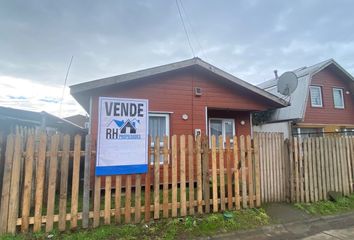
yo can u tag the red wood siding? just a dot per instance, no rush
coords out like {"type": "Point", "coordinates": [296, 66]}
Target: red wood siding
{"type": "Point", "coordinates": [328, 114]}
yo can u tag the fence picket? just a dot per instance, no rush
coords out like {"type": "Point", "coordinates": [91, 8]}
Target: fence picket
{"type": "Point", "coordinates": [199, 176]}
{"type": "Point", "coordinates": [52, 182]}
{"type": "Point", "coordinates": [148, 184]}
{"type": "Point", "coordinates": [306, 171]}
{"type": "Point", "coordinates": [222, 173]}
{"type": "Point", "coordinates": [137, 212]}
{"type": "Point", "coordinates": [117, 199]}
{"type": "Point", "coordinates": [296, 164]}
{"type": "Point", "coordinates": [174, 176]}
{"type": "Point", "coordinates": [250, 171]}
{"type": "Point", "coordinates": [311, 182]}
{"type": "Point", "coordinates": [205, 173]}
{"type": "Point", "coordinates": [183, 175]}
{"type": "Point", "coordinates": [334, 160]}
{"type": "Point", "coordinates": [301, 169]}
{"type": "Point", "coordinates": [40, 174]}
{"type": "Point", "coordinates": [165, 177]}
{"type": "Point", "coordinates": [191, 174]}
{"type": "Point", "coordinates": [243, 171]}
{"type": "Point", "coordinates": [107, 200]}
{"type": "Point", "coordinates": [128, 198]}
{"type": "Point", "coordinates": [214, 176]}
{"type": "Point", "coordinates": [348, 165]}
{"type": "Point", "coordinates": [6, 181]}
{"type": "Point", "coordinates": [229, 173]}
{"type": "Point", "coordinates": [323, 170]}
{"type": "Point", "coordinates": [257, 170]}
{"type": "Point", "coordinates": [15, 186]}
{"type": "Point", "coordinates": [64, 173]}
{"type": "Point", "coordinates": [75, 181]}
{"type": "Point", "coordinates": [237, 174]}
{"type": "Point", "coordinates": [26, 203]}
{"type": "Point", "coordinates": [157, 178]}
{"type": "Point", "coordinates": [97, 202]}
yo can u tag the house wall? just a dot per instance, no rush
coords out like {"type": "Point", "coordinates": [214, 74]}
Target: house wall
{"type": "Point", "coordinates": [282, 127]}
{"type": "Point", "coordinates": [327, 116]}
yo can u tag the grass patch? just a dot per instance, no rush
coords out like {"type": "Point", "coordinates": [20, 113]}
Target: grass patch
{"type": "Point", "coordinates": [343, 204]}
{"type": "Point", "coordinates": [177, 228]}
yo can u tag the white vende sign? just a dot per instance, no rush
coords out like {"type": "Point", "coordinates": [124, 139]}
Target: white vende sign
{"type": "Point", "coordinates": [122, 141]}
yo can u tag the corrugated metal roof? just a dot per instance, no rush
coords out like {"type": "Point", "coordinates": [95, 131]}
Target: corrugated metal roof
{"type": "Point", "coordinates": [298, 99]}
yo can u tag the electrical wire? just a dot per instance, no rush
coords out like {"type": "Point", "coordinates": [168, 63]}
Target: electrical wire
{"type": "Point", "coordinates": [185, 29]}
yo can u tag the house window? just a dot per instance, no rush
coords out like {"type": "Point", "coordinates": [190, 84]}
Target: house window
{"type": "Point", "coordinates": [221, 126]}
{"type": "Point", "coordinates": [348, 131]}
{"type": "Point", "coordinates": [338, 98]}
{"type": "Point", "coordinates": [307, 132]}
{"type": "Point", "coordinates": [159, 125]}
{"type": "Point", "coordinates": [316, 96]}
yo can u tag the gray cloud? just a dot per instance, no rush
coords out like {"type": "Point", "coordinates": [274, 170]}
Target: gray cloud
{"type": "Point", "coordinates": [247, 38]}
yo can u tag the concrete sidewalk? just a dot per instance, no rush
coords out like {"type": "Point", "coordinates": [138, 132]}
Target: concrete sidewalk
{"type": "Point", "coordinates": [328, 227]}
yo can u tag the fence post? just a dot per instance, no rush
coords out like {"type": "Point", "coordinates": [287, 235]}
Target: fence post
{"type": "Point", "coordinates": [205, 167]}
{"type": "Point", "coordinates": [86, 195]}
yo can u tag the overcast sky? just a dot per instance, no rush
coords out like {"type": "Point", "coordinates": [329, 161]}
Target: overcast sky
{"type": "Point", "coordinates": [248, 39]}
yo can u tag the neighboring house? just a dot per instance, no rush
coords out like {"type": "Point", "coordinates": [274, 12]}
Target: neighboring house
{"type": "Point", "coordinates": [79, 120]}
{"type": "Point", "coordinates": [322, 103]}
{"type": "Point", "coordinates": [187, 97]}
{"type": "Point", "coordinates": [12, 118]}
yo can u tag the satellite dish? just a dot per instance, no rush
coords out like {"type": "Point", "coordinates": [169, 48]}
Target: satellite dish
{"type": "Point", "coordinates": [287, 83]}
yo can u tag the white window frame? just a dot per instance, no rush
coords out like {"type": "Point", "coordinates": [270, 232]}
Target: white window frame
{"type": "Point", "coordinates": [342, 92]}
{"type": "Point", "coordinates": [316, 87]}
{"type": "Point", "coordinates": [167, 116]}
{"type": "Point", "coordinates": [222, 129]}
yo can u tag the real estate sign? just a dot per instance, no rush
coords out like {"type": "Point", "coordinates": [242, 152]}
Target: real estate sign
{"type": "Point", "coordinates": [122, 141]}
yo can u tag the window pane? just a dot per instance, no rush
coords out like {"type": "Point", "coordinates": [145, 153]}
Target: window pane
{"type": "Point", "coordinates": [157, 126]}
{"type": "Point", "coordinates": [315, 94]}
{"type": "Point", "coordinates": [216, 129]}
{"type": "Point", "coordinates": [338, 98]}
{"type": "Point", "coordinates": [229, 128]}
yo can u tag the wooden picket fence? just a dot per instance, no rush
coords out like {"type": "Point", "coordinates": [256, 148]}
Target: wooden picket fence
{"type": "Point", "coordinates": [42, 187]}
{"type": "Point", "coordinates": [319, 165]}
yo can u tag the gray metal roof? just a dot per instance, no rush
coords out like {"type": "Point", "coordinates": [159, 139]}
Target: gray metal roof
{"type": "Point", "coordinates": [79, 89]}
{"type": "Point", "coordinates": [298, 99]}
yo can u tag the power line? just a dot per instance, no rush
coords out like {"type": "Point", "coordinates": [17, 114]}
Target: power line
{"type": "Point", "coordinates": [192, 30]}
{"type": "Point", "coordinates": [185, 29]}
{"type": "Point", "coordinates": [66, 79]}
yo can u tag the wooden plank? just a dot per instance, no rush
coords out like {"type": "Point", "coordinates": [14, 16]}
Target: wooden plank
{"type": "Point", "coordinates": [330, 164]}
{"type": "Point", "coordinates": [306, 170]}
{"type": "Point", "coordinates": [344, 167]}
{"type": "Point", "coordinates": [214, 175]}
{"type": "Point", "coordinates": [157, 178]}
{"type": "Point", "coordinates": [296, 163]}
{"type": "Point", "coordinates": [40, 174]}
{"type": "Point", "coordinates": [205, 172]}
{"type": "Point", "coordinates": [315, 167]}
{"type": "Point", "coordinates": [319, 168]}
{"type": "Point", "coordinates": [75, 181]}
{"type": "Point", "coordinates": [117, 200]}
{"type": "Point", "coordinates": [97, 202]}
{"type": "Point", "coordinates": [323, 170]}
{"type": "Point", "coordinates": [257, 170]}
{"type": "Point", "coordinates": [250, 172]}
{"type": "Point", "coordinates": [277, 166]}
{"type": "Point", "coordinates": [191, 174]}
{"type": "Point", "coordinates": [128, 198]}
{"type": "Point", "coordinates": [260, 137]}
{"type": "Point", "coordinates": [237, 174]}
{"type": "Point", "coordinates": [349, 167]}
{"type": "Point", "coordinates": [148, 184]}
{"type": "Point", "coordinates": [87, 180]}
{"type": "Point", "coordinates": [6, 183]}
{"type": "Point", "coordinates": [174, 176]}
{"type": "Point", "coordinates": [301, 169]}
{"type": "Point", "coordinates": [64, 173]}
{"type": "Point", "coordinates": [243, 171]}
{"type": "Point", "coordinates": [183, 175]}
{"type": "Point", "coordinates": [222, 173]}
{"type": "Point", "coordinates": [107, 200]}
{"type": "Point", "coordinates": [228, 173]}
{"type": "Point", "coordinates": [198, 158]}
{"type": "Point", "coordinates": [14, 197]}
{"type": "Point", "coordinates": [137, 213]}
{"type": "Point", "coordinates": [326, 164]}
{"type": "Point", "coordinates": [335, 171]}
{"type": "Point", "coordinates": [26, 203]}
{"type": "Point", "coordinates": [286, 172]}
{"type": "Point", "coordinates": [291, 170]}
{"type": "Point", "coordinates": [351, 140]}
{"type": "Point", "coordinates": [52, 182]}
{"type": "Point", "coordinates": [311, 182]}
{"type": "Point", "coordinates": [165, 177]}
